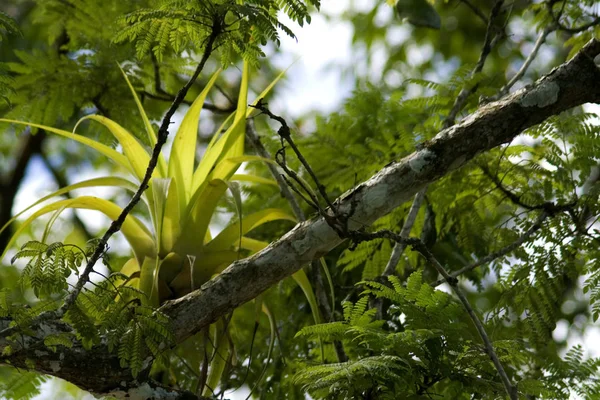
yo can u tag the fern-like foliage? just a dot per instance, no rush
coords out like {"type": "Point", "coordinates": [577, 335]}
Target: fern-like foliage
{"type": "Point", "coordinates": [19, 385]}
{"type": "Point", "coordinates": [579, 16]}
{"type": "Point", "coordinates": [49, 266]}
{"type": "Point", "coordinates": [429, 348]}
{"type": "Point", "coordinates": [113, 311]}
{"type": "Point", "coordinates": [58, 82]}
{"type": "Point", "coordinates": [427, 342]}
{"type": "Point", "coordinates": [8, 26]}
{"type": "Point", "coordinates": [178, 25]}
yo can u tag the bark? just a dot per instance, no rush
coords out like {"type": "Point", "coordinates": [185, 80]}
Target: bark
{"type": "Point", "coordinates": [569, 85]}
{"type": "Point", "coordinates": [572, 84]}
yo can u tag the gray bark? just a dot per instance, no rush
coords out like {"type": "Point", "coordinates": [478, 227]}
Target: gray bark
{"type": "Point", "coordinates": [569, 85]}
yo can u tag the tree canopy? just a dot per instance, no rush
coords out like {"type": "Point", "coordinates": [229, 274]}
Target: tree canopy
{"type": "Point", "coordinates": [436, 236]}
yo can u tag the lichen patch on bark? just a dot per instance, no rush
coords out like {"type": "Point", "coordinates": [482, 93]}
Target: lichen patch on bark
{"type": "Point", "coordinates": [542, 96]}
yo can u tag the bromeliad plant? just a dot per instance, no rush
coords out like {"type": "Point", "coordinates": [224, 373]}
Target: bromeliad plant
{"type": "Point", "coordinates": [178, 254]}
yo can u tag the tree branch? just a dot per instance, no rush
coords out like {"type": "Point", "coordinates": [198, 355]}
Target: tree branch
{"type": "Point", "coordinates": [283, 186]}
{"type": "Point", "coordinates": [399, 247]}
{"type": "Point", "coordinates": [567, 86]}
{"type": "Point", "coordinates": [488, 44]}
{"type": "Point", "coordinates": [325, 309]}
{"type": "Point", "coordinates": [536, 47]}
{"type": "Point", "coordinates": [511, 390]}
{"type": "Point", "coordinates": [476, 10]}
{"type": "Point", "coordinates": [497, 123]}
{"type": "Point", "coordinates": [503, 251]}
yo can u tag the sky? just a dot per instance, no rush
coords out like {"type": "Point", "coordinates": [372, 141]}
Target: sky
{"type": "Point", "coordinates": [311, 84]}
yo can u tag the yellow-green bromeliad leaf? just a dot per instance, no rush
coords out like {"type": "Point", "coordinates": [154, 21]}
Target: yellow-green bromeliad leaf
{"type": "Point", "coordinates": [95, 182]}
{"type": "Point", "coordinates": [183, 152]}
{"type": "Point", "coordinates": [136, 233]}
{"type": "Point", "coordinates": [147, 125]}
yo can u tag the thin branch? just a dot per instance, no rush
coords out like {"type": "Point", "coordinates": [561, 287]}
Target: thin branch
{"type": "Point", "coordinates": [488, 43]}
{"type": "Point", "coordinates": [562, 27]}
{"type": "Point", "coordinates": [163, 95]}
{"type": "Point", "coordinates": [476, 10]}
{"type": "Point", "coordinates": [458, 105]}
{"type": "Point", "coordinates": [532, 55]}
{"type": "Point", "coordinates": [511, 390]}
{"type": "Point", "coordinates": [285, 134]}
{"type": "Point", "coordinates": [283, 187]}
{"type": "Point", "coordinates": [163, 132]}
{"type": "Point", "coordinates": [399, 247]}
{"type": "Point", "coordinates": [206, 106]}
{"type": "Point", "coordinates": [549, 207]}
{"type": "Point", "coordinates": [418, 246]}
{"type": "Point", "coordinates": [581, 28]}
{"type": "Point", "coordinates": [341, 228]}
{"type": "Point", "coordinates": [502, 252]}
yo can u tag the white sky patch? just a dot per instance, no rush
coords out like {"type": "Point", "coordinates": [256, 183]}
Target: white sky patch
{"type": "Point", "coordinates": [313, 83]}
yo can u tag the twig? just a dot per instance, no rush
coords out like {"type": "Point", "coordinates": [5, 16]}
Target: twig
{"type": "Point", "coordinates": [538, 43]}
{"type": "Point", "coordinates": [560, 26]}
{"type": "Point", "coordinates": [284, 187]}
{"type": "Point", "coordinates": [511, 390]}
{"type": "Point", "coordinates": [459, 103]}
{"type": "Point", "coordinates": [163, 132]}
{"type": "Point", "coordinates": [476, 10]}
{"type": "Point", "coordinates": [285, 134]}
{"type": "Point", "coordinates": [206, 106]}
{"type": "Point", "coordinates": [163, 95]}
{"type": "Point", "coordinates": [503, 251]}
{"type": "Point", "coordinates": [418, 246]}
{"type": "Point", "coordinates": [549, 207]}
{"type": "Point", "coordinates": [488, 43]}
{"type": "Point", "coordinates": [399, 247]}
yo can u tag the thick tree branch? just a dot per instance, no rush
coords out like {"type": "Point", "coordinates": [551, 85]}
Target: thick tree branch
{"type": "Point", "coordinates": [567, 86]}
